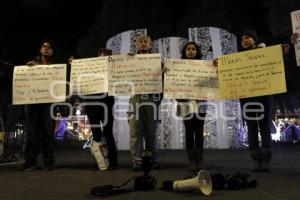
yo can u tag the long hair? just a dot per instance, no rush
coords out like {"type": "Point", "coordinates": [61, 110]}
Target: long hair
{"type": "Point", "coordinates": [198, 53]}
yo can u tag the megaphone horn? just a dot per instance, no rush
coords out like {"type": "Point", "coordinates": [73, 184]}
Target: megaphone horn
{"type": "Point", "coordinates": [201, 182]}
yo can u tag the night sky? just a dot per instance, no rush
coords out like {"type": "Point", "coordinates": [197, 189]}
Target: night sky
{"type": "Point", "coordinates": [24, 23]}
{"type": "Point", "coordinates": [80, 28]}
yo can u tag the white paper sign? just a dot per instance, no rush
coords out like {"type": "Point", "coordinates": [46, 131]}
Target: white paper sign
{"type": "Point", "coordinates": [39, 84]}
{"type": "Point", "coordinates": [295, 16]}
{"type": "Point", "coordinates": [89, 76]}
{"type": "Point", "coordinates": [252, 73]}
{"type": "Point", "coordinates": [138, 74]}
{"type": "Point", "coordinates": [190, 79]}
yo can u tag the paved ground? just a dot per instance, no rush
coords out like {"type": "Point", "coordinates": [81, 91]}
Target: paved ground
{"type": "Point", "coordinates": [74, 176]}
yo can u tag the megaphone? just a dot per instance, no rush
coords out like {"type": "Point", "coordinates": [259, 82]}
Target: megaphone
{"type": "Point", "coordinates": [201, 182]}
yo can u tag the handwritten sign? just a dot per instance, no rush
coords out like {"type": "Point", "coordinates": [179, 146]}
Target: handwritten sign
{"type": "Point", "coordinates": [39, 84]}
{"type": "Point", "coordinates": [89, 76]}
{"type": "Point", "coordinates": [190, 79]}
{"type": "Point", "coordinates": [139, 74]}
{"type": "Point", "coordinates": [295, 16]}
{"type": "Point", "coordinates": [252, 73]}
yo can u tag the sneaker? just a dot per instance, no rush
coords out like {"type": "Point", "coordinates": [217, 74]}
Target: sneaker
{"type": "Point", "coordinates": [26, 167]}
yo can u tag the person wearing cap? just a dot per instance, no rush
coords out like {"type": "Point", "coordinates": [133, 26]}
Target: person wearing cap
{"type": "Point", "coordinates": [257, 122]}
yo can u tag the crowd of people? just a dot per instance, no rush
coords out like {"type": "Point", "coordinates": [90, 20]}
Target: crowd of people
{"type": "Point", "coordinates": [143, 120]}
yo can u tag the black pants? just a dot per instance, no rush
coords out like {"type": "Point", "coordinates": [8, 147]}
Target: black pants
{"type": "Point", "coordinates": [40, 136]}
{"type": "Point", "coordinates": [194, 124]}
{"type": "Point", "coordinates": [103, 113]}
{"type": "Point", "coordinates": [255, 124]}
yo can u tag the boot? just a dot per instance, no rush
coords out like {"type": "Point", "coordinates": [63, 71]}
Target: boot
{"type": "Point", "coordinates": [266, 156]}
{"type": "Point", "coordinates": [191, 153]}
{"type": "Point", "coordinates": [256, 157]}
{"type": "Point", "coordinates": [199, 159]}
{"type": "Point", "coordinates": [113, 161]}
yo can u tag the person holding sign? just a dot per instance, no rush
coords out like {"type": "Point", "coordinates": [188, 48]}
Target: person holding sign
{"type": "Point", "coordinates": [285, 101]}
{"type": "Point", "coordinates": [143, 118]}
{"type": "Point", "coordinates": [257, 112]}
{"type": "Point", "coordinates": [294, 38]}
{"type": "Point", "coordinates": [98, 114]}
{"type": "Point", "coordinates": [193, 113]}
{"type": "Point", "coordinates": [40, 127]}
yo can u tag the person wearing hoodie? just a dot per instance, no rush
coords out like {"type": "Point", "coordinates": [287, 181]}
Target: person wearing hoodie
{"type": "Point", "coordinates": [257, 113]}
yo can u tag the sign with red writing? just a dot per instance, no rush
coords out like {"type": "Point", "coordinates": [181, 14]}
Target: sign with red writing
{"type": "Point", "coordinates": [138, 74]}
{"type": "Point", "coordinates": [295, 16]}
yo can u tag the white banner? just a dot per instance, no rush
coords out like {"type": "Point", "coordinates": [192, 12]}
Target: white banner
{"type": "Point", "coordinates": [39, 84]}
{"type": "Point", "coordinates": [252, 73]}
{"type": "Point", "coordinates": [89, 76]}
{"type": "Point", "coordinates": [295, 16]}
{"type": "Point", "coordinates": [138, 74]}
{"type": "Point", "coordinates": [190, 79]}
